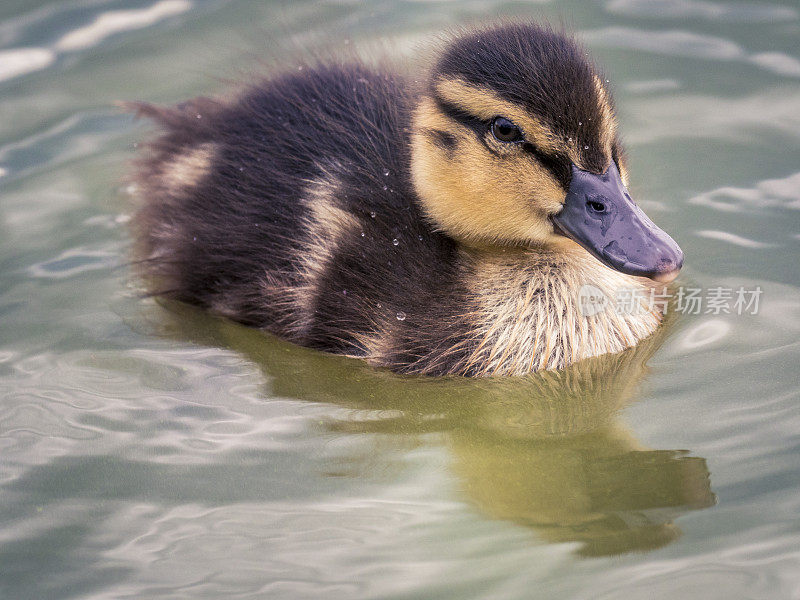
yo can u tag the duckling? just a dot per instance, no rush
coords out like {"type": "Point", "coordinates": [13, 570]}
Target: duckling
{"type": "Point", "coordinates": [439, 228]}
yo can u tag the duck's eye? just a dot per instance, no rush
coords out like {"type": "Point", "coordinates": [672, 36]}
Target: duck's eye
{"type": "Point", "coordinates": [505, 131]}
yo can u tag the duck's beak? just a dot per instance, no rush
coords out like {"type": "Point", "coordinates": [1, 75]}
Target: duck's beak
{"type": "Point", "coordinates": [599, 215]}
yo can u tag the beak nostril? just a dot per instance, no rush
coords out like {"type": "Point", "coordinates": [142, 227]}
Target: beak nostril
{"type": "Point", "coordinates": [596, 206]}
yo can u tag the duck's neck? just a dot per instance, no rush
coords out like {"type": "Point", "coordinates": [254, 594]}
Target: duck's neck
{"type": "Point", "coordinates": [545, 309]}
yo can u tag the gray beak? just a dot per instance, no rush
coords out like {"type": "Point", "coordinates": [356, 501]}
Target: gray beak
{"type": "Point", "coordinates": [599, 215]}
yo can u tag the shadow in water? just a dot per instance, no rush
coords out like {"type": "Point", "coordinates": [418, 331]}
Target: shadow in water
{"type": "Point", "coordinates": [545, 451]}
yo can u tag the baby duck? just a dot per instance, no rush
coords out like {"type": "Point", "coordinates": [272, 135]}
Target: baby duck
{"type": "Point", "coordinates": [440, 228]}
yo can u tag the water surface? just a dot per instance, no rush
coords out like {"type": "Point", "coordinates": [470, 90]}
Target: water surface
{"type": "Point", "coordinates": [149, 451]}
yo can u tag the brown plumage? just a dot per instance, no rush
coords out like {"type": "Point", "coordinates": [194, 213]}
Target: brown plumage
{"type": "Point", "coordinates": [419, 227]}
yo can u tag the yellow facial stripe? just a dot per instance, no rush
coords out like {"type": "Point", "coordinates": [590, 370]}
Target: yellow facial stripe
{"type": "Point", "coordinates": [476, 196]}
{"type": "Point", "coordinates": [608, 125]}
{"type": "Point", "coordinates": [486, 104]}
{"type": "Point", "coordinates": [428, 116]}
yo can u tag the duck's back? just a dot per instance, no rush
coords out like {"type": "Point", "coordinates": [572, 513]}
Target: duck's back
{"type": "Point", "coordinates": [289, 208]}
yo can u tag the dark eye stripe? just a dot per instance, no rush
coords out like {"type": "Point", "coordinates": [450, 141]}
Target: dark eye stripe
{"type": "Point", "coordinates": [442, 139]}
{"type": "Point", "coordinates": [558, 165]}
{"type": "Point", "coordinates": [477, 125]}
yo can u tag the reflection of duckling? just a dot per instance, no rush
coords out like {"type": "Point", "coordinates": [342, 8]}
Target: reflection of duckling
{"type": "Point", "coordinates": [600, 489]}
{"type": "Point", "coordinates": [427, 230]}
{"type": "Point", "coordinates": [545, 451]}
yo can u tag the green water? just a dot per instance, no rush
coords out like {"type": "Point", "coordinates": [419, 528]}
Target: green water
{"type": "Point", "coordinates": [149, 451]}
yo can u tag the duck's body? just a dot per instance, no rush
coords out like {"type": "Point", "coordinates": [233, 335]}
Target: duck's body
{"type": "Point", "coordinates": [308, 207]}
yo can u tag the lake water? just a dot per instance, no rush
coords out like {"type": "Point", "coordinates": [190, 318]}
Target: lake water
{"type": "Point", "coordinates": [148, 451]}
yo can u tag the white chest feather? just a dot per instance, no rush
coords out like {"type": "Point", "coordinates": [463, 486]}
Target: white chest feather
{"type": "Point", "coordinates": [541, 311]}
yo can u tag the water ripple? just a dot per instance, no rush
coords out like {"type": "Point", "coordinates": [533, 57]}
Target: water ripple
{"type": "Point", "coordinates": [75, 262]}
{"type": "Point", "coordinates": [705, 334]}
{"type": "Point", "coordinates": [673, 43]}
{"type": "Point", "coordinates": [691, 9]}
{"type": "Point", "coordinates": [753, 570]}
{"type": "Point", "coordinates": [15, 62]}
{"type": "Point", "coordinates": [710, 117]}
{"type": "Point", "coordinates": [109, 23]}
{"type": "Point", "coordinates": [28, 415]}
{"type": "Point", "coordinates": [177, 550]}
{"type": "Point", "coordinates": [21, 61]}
{"type": "Point", "coordinates": [777, 62]}
{"type": "Point", "coordinates": [650, 86]}
{"type": "Point", "coordinates": [732, 238]}
{"type": "Point", "coordinates": [770, 193]}
{"type": "Point", "coordinates": [688, 44]}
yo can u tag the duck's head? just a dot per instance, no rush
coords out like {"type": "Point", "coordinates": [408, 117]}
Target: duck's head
{"type": "Point", "coordinates": [514, 142]}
